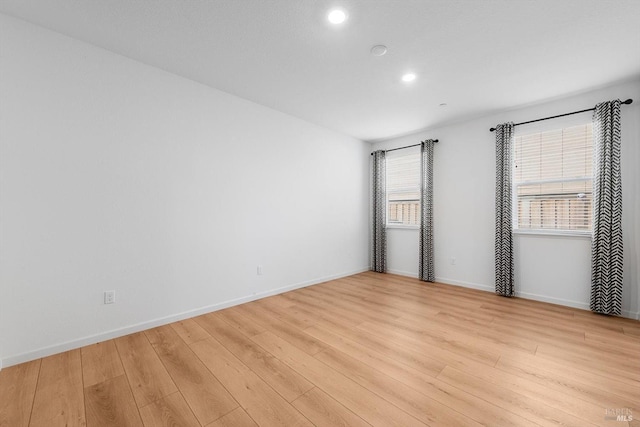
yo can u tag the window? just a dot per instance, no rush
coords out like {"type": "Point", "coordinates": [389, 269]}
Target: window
{"type": "Point", "coordinates": [553, 179]}
{"type": "Point", "coordinates": [403, 187]}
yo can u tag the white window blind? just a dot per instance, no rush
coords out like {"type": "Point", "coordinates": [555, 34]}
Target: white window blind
{"type": "Point", "coordinates": [553, 179]}
{"type": "Point", "coordinates": [403, 186]}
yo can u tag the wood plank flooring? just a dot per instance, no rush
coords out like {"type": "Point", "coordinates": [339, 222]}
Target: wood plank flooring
{"type": "Point", "coordinates": [369, 349]}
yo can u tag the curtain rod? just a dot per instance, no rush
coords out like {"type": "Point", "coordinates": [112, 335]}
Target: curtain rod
{"type": "Point", "coordinates": [627, 102]}
{"type": "Point", "coordinates": [407, 146]}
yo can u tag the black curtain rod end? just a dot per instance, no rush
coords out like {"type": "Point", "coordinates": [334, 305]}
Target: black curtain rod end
{"type": "Point", "coordinates": [492, 129]}
{"type": "Point", "coordinates": [627, 102]}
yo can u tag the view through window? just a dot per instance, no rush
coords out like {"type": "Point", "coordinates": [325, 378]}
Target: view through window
{"type": "Point", "coordinates": [403, 187]}
{"type": "Point", "coordinates": [553, 179]}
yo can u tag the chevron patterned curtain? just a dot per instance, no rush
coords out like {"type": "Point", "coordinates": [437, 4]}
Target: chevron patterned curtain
{"type": "Point", "coordinates": [379, 213]}
{"type": "Point", "coordinates": [426, 212]}
{"type": "Point", "coordinates": [606, 242]}
{"type": "Point", "coordinates": [504, 232]}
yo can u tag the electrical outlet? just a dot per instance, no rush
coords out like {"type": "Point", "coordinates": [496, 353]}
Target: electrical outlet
{"type": "Point", "coordinates": [109, 297]}
{"type": "Point", "coordinates": [452, 261]}
{"type": "Point", "coordinates": [259, 270]}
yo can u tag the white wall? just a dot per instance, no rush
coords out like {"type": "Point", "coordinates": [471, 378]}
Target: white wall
{"type": "Point", "coordinates": [118, 176]}
{"type": "Point", "coordinates": [553, 269]}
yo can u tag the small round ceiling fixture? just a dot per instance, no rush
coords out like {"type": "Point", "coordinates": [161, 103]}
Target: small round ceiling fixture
{"type": "Point", "coordinates": [408, 77]}
{"type": "Point", "coordinates": [378, 50]}
{"type": "Point", "coordinates": [337, 16]}
{"type": "Point", "coordinates": [444, 104]}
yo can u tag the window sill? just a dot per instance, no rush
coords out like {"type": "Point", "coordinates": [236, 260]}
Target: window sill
{"type": "Point", "coordinates": [554, 233]}
{"type": "Point", "coordinates": [405, 227]}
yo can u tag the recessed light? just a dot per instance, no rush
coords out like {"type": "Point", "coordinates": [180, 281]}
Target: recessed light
{"type": "Point", "coordinates": [444, 104]}
{"type": "Point", "coordinates": [337, 16]}
{"type": "Point", "coordinates": [378, 50]}
{"type": "Point", "coordinates": [409, 77]}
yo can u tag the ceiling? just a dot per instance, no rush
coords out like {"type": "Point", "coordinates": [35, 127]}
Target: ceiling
{"type": "Point", "coordinates": [477, 56]}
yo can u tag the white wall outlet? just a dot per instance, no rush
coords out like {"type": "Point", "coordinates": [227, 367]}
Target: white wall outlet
{"type": "Point", "coordinates": [259, 270]}
{"type": "Point", "coordinates": [452, 261]}
{"type": "Point", "coordinates": [109, 297]}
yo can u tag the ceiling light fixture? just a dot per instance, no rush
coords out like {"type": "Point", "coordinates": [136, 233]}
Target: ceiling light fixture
{"type": "Point", "coordinates": [378, 50]}
{"type": "Point", "coordinates": [409, 77]}
{"type": "Point", "coordinates": [337, 16]}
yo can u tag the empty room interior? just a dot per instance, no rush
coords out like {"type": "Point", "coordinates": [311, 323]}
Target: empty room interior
{"type": "Point", "coordinates": [319, 213]}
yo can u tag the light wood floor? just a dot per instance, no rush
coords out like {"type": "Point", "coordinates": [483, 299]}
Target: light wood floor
{"type": "Point", "coordinates": [369, 349]}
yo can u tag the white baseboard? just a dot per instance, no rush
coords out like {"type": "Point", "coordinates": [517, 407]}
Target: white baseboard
{"type": "Point", "coordinates": [551, 300]}
{"type": "Point", "coordinates": [535, 297]}
{"type": "Point", "coordinates": [403, 273]}
{"type": "Point", "coordinates": [464, 284]}
{"type": "Point", "coordinates": [115, 333]}
{"type": "Point", "coordinates": [575, 304]}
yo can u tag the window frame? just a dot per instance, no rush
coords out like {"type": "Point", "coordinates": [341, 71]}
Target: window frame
{"type": "Point", "coordinates": [409, 151]}
{"type": "Point", "coordinates": [541, 128]}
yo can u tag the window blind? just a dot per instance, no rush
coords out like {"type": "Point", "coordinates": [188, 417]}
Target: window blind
{"type": "Point", "coordinates": [403, 186]}
{"type": "Point", "coordinates": [553, 175]}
